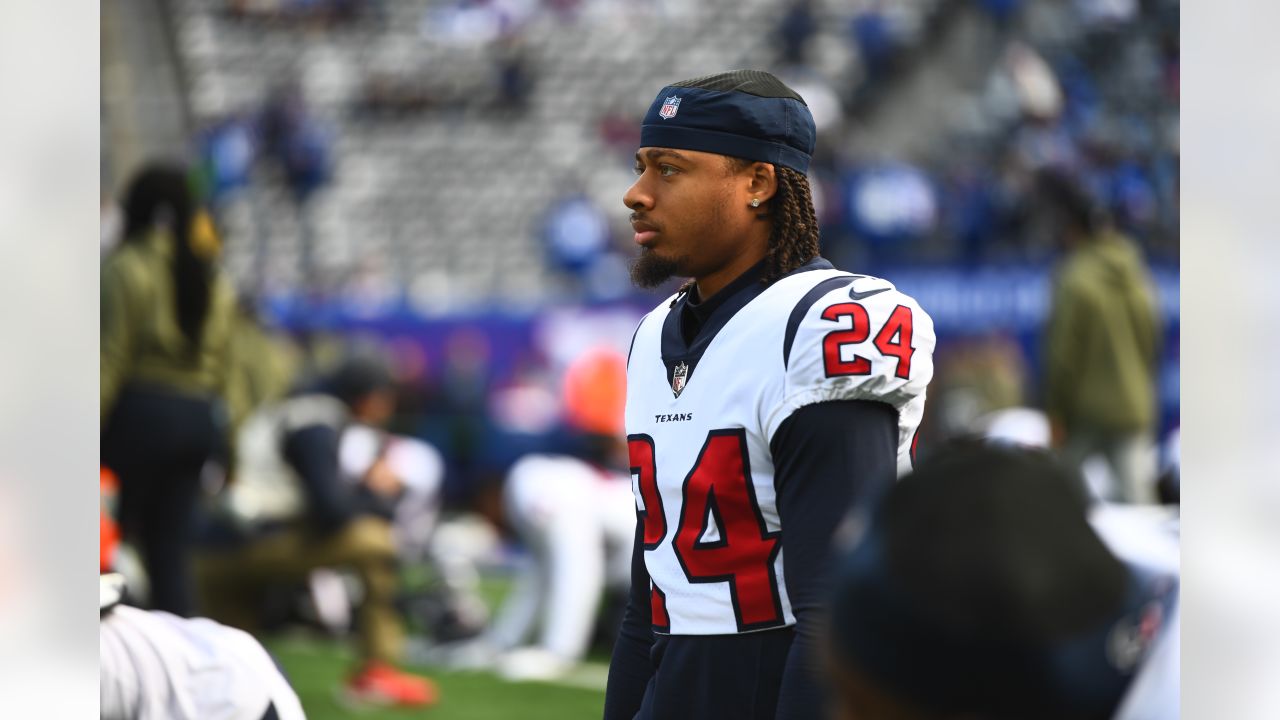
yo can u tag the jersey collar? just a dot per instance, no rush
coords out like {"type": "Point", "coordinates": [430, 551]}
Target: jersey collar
{"type": "Point", "coordinates": [713, 314]}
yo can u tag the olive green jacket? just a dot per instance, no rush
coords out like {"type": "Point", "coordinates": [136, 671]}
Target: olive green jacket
{"type": "Point", "coordinates": [140, 337]}
{"type": "Point", "coordinates": [1102, 339]}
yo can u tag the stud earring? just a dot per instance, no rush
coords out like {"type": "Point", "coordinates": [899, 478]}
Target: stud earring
{"type": "Point", "coordinates": [755, 202]}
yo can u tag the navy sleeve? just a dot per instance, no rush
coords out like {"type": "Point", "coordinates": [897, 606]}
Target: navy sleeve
{"type": "Point", "coordinates": [312, 452]}
{"type": "Point", "coordinates": [828, 459]}
{"type": "Point", "coordinates": [631, 668]}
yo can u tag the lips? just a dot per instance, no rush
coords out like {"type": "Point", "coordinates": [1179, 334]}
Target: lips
{"type": "Point", "coordinates": [645, 233]}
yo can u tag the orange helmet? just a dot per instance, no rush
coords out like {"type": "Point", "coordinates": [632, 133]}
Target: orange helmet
{"type": "Point", "coordinates": [595, 391]}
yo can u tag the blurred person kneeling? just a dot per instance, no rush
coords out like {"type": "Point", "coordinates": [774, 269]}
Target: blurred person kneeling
{"type": "Point", "coordinates": [289, 511]}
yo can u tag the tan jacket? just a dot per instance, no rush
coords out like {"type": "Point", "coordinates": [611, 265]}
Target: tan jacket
{"type": "Point", "coordinates": [1102, 339]}
{"type": "Point", "coordinates": [141, 340]}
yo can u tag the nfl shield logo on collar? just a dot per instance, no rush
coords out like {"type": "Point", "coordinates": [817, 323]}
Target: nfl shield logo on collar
{"type": "Point", "coordinates": [668, 111]}
{"type": "Point", "coordinates": [678, 377]}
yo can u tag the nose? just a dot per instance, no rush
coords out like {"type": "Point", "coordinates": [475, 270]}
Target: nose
{"type": "Point", "coordinates": [637, 198]}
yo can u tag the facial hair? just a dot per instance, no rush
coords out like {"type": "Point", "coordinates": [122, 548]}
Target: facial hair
{"type": "Point", "coordinates": [649, 270]}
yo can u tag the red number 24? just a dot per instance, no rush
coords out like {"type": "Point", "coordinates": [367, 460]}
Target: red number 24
{"type": "Point", "coordinates": [717, 490]}
{"type": "Point", "coordinates": [893, 340]}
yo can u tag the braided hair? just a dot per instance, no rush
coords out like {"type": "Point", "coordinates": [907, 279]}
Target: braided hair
{"type": "Point", "coordinates": [794, 238]}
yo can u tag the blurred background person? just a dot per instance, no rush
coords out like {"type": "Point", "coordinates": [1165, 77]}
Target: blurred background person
{"type": "Point", "coordinates": [1101, 345]}
{"type": "Point", "coordinates": [576, 515]}
{"type": "Point", "coordinates": [166, 317]}
{"type": "Point", "coordinates": [289, 512]}
{"type": "Point", "coordinates": [979, 589]}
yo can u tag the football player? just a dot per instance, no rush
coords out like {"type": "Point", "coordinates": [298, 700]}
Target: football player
{"type": "Point", "coordinates": [576, 515]}
{"type": "Point", "coordinates": [765, 399]}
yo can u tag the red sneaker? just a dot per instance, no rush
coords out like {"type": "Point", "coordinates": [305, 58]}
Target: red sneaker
{"type": "Point", "coordinates": [380, 684]}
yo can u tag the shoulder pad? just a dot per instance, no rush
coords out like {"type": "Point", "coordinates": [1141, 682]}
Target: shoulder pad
{"type": "Point", "coordinates": [856, 338]}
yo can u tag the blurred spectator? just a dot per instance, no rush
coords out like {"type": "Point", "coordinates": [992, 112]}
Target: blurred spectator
{"type": "Point", "coordinates": [1002, 11]}
{"type": "Point", "coordinates": [891, 206]}
{"type": "Point", "coordinates": [576, 232]}
{"type": "Point", "coordinates": [166, 319]}
{"type": "Point", "coordinates": [794, 30]}
{"type": "Point", "coordinates": [474, 22]}
{"type": "Point", "coordinates": [514, 75]}
{"type": "Point", "coordinates": [979, 588]}
{"type": "Point", "coordinates": [877, 38]}
{"type": "Point", "coordinates": [291, 513]}
{"type": "Point", "coordinates": [383, 95]}
{"type": "Point", "coordinates": [295, 141]}
{"type": "Point", "coordinates": [1101, 345]}
{"type": "Point", "coordinates": [228, 150]}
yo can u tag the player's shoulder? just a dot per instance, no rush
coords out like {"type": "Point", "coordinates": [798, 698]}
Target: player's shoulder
{"type": "Point", "coordinates": [867, 290]}
{"type": "Point", "coordinates": [862, 304]}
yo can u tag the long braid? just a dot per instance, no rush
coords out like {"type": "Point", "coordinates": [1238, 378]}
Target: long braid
{"type": "Point", "coordinates": [794, 238]}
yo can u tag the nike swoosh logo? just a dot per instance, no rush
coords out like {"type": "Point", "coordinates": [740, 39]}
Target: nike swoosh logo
{"type": "Point", "coordinates": [867, 294]}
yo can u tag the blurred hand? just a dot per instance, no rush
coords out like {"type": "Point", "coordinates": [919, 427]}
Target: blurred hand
{"type": "Point", "coordinates": [382, 480]}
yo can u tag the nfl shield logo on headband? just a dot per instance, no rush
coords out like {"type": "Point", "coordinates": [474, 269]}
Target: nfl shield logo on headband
{"type": "Point", "coordinates": [669, 108]}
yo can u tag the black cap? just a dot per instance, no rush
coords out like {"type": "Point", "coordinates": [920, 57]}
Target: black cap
{"type": "Point", "coordinates": [358, 376]}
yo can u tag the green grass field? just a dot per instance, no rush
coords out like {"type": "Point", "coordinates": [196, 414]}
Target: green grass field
{"type": "Point", "coordinates": [317, 668]}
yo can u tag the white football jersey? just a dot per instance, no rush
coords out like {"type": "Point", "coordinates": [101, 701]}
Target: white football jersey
{"type": "Point", "coordinates": [700, 420]}
{"type": "Point", "coordinates": [157, 666]}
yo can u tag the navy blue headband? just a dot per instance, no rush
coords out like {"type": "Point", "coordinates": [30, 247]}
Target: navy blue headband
{"type": "Point", "coordinates": [775, 130]}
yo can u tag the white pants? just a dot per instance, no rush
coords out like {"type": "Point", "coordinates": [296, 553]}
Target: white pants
{"type": "Point", "coordinates": [1130, 457]}
{"type": "Point", "coordinates": [579, 525]}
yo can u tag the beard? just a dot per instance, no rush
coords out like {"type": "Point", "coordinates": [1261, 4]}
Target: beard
{"type": "Point", "coordinates": [649, 271]}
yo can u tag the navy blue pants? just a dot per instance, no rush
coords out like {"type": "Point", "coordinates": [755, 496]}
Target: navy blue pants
{"type": "Point", "coordinates": [157, 442]}
{"type": "Point", "coordinates": [716, 677]}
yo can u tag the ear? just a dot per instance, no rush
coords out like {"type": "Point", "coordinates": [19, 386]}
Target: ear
{"type": "Point", "coordinates": [762, 181]}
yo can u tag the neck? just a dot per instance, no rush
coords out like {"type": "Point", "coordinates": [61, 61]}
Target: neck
{"type": "Point", "coordinates": [753, 252]}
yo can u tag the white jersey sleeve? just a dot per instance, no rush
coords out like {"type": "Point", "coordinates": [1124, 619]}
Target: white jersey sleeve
{"type": "Point", "coordinates": [863, 340]}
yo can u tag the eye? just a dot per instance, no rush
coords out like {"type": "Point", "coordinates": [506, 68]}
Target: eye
{"type": "Point", "coordinates": [667, 170]}
{"type": "Point", "coordinates": [638, 169]}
